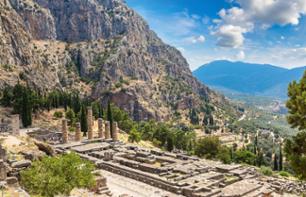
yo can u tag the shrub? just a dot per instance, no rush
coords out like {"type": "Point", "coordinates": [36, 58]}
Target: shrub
{"type": "Point", "coordinates": [58, 175]}
{"type": "Point", "coordinates": [284, 174]}
{"type": "Point", "coordinates": [266, 171]}
{"type": "Point", "coordinates": [208, 147]}
{"type": "Point", "coordinates": [58, 114]}
{"type": "Point", "coordinates": [134, 136]}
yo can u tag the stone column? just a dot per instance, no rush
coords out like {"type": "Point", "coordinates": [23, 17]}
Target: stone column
{"type": "Point", "coordinates": [3, 172]}
{"type": "Point", "coordinates": [15, 124]}
{"type": "Point", "coordinates": [100, 128]}
{"type": "Point", "coordinates": [64, 131]}
{"type": "Point", "coordinates": [89, 122]}
{"type": "Point", "coordinates": [78, 135]}
{"type": "Point", "coordinates": [115, 131]}
{"type": "Point", "coordinates": [107, 130]}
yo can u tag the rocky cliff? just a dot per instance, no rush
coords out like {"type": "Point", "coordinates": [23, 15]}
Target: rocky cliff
{"type": "Point", "coordinates": [103, 49]}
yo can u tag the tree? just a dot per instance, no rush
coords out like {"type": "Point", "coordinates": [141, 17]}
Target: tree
{"type": "Point", "coordinates": [208, 147]}
{"type": "Point", "coordinates": [194, 118]}
{"type": "Point", "coordinates": [259, 158]}
{"type": "Point", "coordinates": [96, 109]}
{"type": "Point", "coordinates": [296, 104]}
{"type": "Point", "coordinates": [101, 112]}
{"type": "Point", "coordinates": [170, 143]}
{"type": "Point", "coordinates": [244, 156]}
{"type": "Point", "coordinates": [225, 155]}
{"type": "Point", "coordinates": [83, 120]}
{"type": "Point", "coordinates": [54, 176]}
{"type": "Point", "coordinates": [295, 148]}
{"type": "Point", "coordinates": [70, 115]}
{"type": "Point", "coordinates": [134, 136]}
{"type": "Point", "coordinates": [7, 97]}
{"type": "Point", "coordinates": [110, 117]}
{"type": "Point", "coordinates": [275, 163]}
{"type": "Point", "coordinates": [26, 107]}
{"type": "Point", "coordinates": [280, 165]}
{"type": "Point", "coordinates": [255, 144]}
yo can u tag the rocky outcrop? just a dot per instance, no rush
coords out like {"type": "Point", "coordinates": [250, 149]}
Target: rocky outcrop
{"type": "Point", "coordinates": [103, 49]}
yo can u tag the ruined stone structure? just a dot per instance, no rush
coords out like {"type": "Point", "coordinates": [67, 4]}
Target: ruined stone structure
{"type": "Point", "coordinates": [11, 124]}
{"type": "Point", "coordinates": [78, 135]}
{"type": "Point", "coordinates": [3, 172]}
{"type": "Point", "coordinates": [115, 131]}
{"type": "Point", "coordinates": [100, 128]}
{"type": "Point", "coordinates": [15, 124]}
{"type": "Point", "coordinates": [64, 131]}
{"type": "Point", "coordinates": [3, 155]}
{"type": "Point", "coordinates": [107, 130]}
{"type": "Point", "coordinates": [90, 123]}
{"type": "Point", "coordinates": [177, 173]}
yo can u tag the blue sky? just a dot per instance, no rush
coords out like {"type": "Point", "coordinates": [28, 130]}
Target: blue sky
{"type": "Point", "coordinates": [257, 31]}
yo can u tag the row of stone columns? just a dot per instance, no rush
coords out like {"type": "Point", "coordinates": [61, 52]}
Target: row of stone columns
{"type": "Point", "coordinates": [104, 129]}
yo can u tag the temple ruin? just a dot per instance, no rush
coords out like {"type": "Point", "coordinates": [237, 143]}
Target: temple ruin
{"type": "Point", "coordinates": [64, 131]}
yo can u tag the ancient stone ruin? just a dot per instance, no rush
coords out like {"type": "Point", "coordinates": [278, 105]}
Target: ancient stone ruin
{"type": "Point", "coordinates": [64, 131]}
{"type": "Point", "coordinates": [177, 173]}
{"type": "Point", "coordinates": [78, 134]}
{"type": "Point", "coordinates": [89, 122]}
{"type": "Point", "coordinates": [10, 124]}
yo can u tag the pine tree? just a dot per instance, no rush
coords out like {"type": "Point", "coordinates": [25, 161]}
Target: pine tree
{"type": "Point", "coordinates": [296, 104]}
{"type": "Point", "coordinates": [83, 119]}
{"type": "Point", "coordinates": [295, 148]}
{"type": "Point", "coordinates": [110, 117]}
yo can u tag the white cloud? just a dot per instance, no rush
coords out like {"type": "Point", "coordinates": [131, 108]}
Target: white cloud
{"type": "Point", "coordinates": [230, 36]}
{"type": "Point", "coordinates": [256, 13]}
{"type": "Point", "coordinates": [240, 55]}
{"type": "Point", "coordinates": [195, 39]}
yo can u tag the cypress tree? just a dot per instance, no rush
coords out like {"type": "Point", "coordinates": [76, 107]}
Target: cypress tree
{"type": "Point", "coordinates": [280, 165]}
{"type": "Point", "coordinates": [101, 113]}
{"type": "Point", "coordinates": [255, 144]}
{"type": "Point", "coordinates": [26, 108]}
{"type": "Point", "coordinates": [275, 166]}
{"type": "Point", "coordinates": [170, 143]}
{"type": "Point", "coordinates": [110, 117]}
{"type": "Point", "coordinates": [84, 124]}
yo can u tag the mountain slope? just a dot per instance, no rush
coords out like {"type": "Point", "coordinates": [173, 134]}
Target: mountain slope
{"type": "Point", "coordinates": [248, 78]}
{"type": "Point", "coordinates": [103, 49]}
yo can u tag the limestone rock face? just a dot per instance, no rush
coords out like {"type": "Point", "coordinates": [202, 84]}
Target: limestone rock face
{"type": "Point", "coordinates": [101, 48]}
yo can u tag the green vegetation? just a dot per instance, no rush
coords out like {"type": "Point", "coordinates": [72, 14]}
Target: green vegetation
{"type": "Point", "coordinates": [110, 117]}
{"type": "Point", "coordinates": [266, 171]}
{"type": "Point", "coordinates": [295, 148]}
{"type": "Point", "coordinates": [23, 100]}
{"type": "Point", "coordinates": [58, 114]}
{"type": "Point", "coordinates": [208, 147]}
{"type": "Point", "coordinates": [58, 175]}
{"type": "Point", "coordinates": [134, 136]}
{"type": "Point", "coordinates": [83, 120]}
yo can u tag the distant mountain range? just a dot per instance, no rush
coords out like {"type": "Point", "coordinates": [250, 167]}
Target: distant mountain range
{"type": "Point", "coordinates": [247, 78]}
